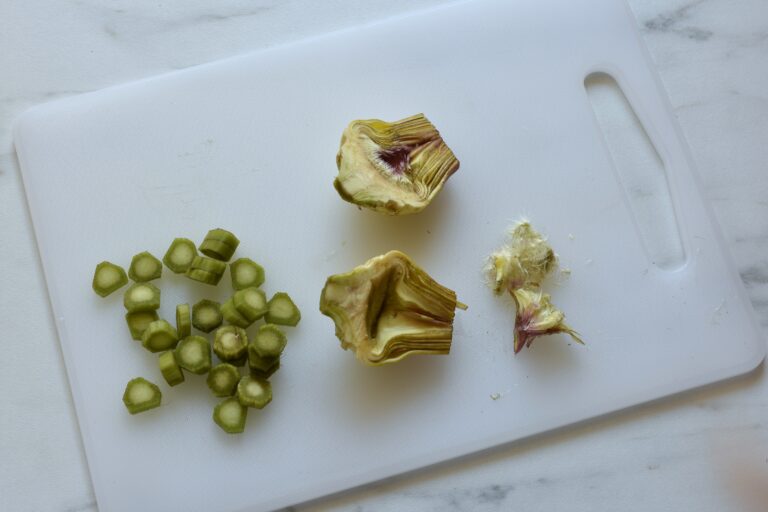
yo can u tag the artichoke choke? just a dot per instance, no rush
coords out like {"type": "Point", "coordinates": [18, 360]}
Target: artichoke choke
{"type": "Point", "coordinates": [389, 308]}
{"type": "Point", "coordinates": [519, 268]}
{"type": "Point", "coordinates": [395, 168]}
{"type": "Point", "coordinates": [524, 261]}
{"type": "Point", "coordinates": [536, 316]}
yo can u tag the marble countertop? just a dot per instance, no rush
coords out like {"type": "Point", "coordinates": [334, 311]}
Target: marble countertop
{"type": "Point", "coordinates": [706, 450]}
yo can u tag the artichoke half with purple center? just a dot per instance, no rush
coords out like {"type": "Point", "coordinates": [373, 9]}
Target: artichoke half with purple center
{"type": "Point", "coordinates": [394, 168]}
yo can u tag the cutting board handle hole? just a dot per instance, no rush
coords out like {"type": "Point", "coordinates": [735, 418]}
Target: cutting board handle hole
{"type": "Point", "coordinates": [639, 169]}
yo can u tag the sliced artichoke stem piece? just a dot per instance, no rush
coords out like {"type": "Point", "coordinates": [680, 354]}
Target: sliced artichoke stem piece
{"type": "Point", "coordinates": [170, 368]}
{"type": "Point", "coordinates": [223, 379]}
{"type": "Point", "coordinates": [254, 392]}
{"type": "Point", "coordinates": [232, 316]}
{"type": "Point", "coordinates": [108, 277]}
{"type": "Point", "coordinates": [395, 168]}
{"type": "Point", "coordinates": [219, 244]}
{"type": "Point", "coordinates": [230, 415]}
{"type": "Point", "coordinates": [264, 373]}
{"type": "Point", "coordinates": [246, 273]}
{"type": "Point", "coordinates": [180, 255]}
{"type": "Point", "coordinates": [193, 353]}
{"type": "Point", "coordinates": [159, 336]}
{"type": "Point", "coordinates": [206, 315]}
{"type": "Point", "coordinates": [250, 303]}
{"type": "Point", "coordinates": [141, 395]}
{"type": "Point", "coordinates": [231, 344]}
{"type": "Point", "coordinates": [282, 310]}
{"type": "Point", "coordinates": [389, 308]}
{"type": "Point", "coordinates": [183, 320]}
{"type": "Point", "coordinates": [145, 267]}
{"type": "Point", "coordinates": [141, 297]}
{"type": "Point", "coordinates": [138, 322]}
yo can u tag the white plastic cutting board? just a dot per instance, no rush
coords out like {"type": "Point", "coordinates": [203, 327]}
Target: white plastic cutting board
{"type": "Point", "coordinates": [249, 144]}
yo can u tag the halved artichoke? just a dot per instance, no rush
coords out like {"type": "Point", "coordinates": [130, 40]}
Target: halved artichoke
{"type": "Point", "coordinates": [389, 308]}
{"type": "Point", "coordinates": [395, 168]}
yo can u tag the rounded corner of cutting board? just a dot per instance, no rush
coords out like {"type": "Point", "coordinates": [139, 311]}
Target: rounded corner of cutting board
{"type": "Point", "coordinates": [28, 116]}
{"type": "Point", "coordinates": [755, 360]}
{"type": "Point", "coordinates": [28, 120]}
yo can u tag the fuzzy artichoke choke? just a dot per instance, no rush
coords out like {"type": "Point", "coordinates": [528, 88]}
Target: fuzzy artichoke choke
{"type": "Point", "coordinates": [519, 268]}
{"type": "Point", "coordinates": [395, 168]}
{"type": "Point", "coordinates": [389, 308]}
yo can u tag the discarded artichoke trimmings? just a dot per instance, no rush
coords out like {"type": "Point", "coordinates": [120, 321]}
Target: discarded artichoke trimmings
{"type": "Point", "coordinates": [395, 168]}
{"type": "Point", "coordinates": [524, 261]}
{"type": "Point", "coordinates": [519, 267]}
{"type": "Point", "coordinates": [536, 316]}
{"type": "Point", "coordinates": [389, 308]}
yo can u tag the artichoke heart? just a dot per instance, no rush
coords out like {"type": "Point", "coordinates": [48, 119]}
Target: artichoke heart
{"type": "Point", "coordinates": [389, 308]}
{"type": "Point", "coordinates": [395, 168]}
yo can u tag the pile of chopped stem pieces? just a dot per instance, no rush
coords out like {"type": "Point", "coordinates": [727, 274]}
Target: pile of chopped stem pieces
{"type": "Point", "coordinates": [238, 367]}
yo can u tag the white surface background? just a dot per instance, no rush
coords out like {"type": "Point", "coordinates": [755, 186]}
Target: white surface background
{"type": "Point", "coordinates": [701, 450]}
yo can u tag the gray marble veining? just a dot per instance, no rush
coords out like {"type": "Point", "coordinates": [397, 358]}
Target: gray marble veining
{"type": "Point", "coordinates": [677, 22]}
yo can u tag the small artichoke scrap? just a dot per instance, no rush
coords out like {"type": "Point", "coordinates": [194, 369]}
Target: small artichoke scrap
{"type": "Point", "coordinates": [519, 268]}
{"type": "Point", "coordinates": [395, 168]}
{"type": "Point", "coordinates": [524, 261]}
{"type": "Point", "coordinates": [389, 308]}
